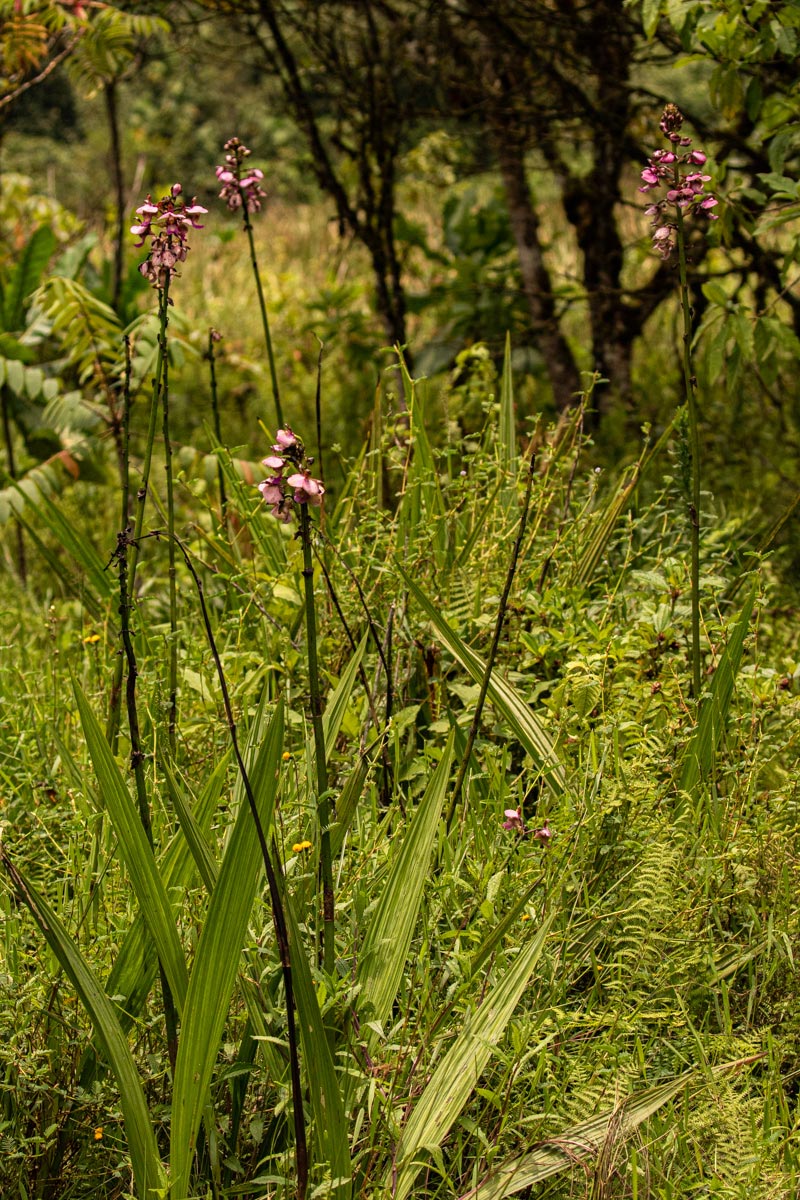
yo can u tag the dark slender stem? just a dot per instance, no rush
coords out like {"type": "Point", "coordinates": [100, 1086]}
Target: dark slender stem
{"type": "Point", "coordinates": [318, 408]}
{"type": "Point", "coordinates": [264, 318]}
{"type": "Point", "coordinates": [498, 630]}
{"type": "Point", "coordinates": [115, 702]}
{"type": "Point", "coordinates": [137, 761]}
{"type": "Point", "coordinates": [362, 674]}
{"type": "Point", "coordinates": [173, 591]}
{"type": "Point", "coordinates": [323, 801]}
{"type": "Point", "coordinates": [278, 914]}
{"type": "Point", "coordinates": [212, 369]}
{"type": "Point", "coordinates": [694, 445]}
{"type": "Point", "coordinates": [141, 495]}
{"type": "Point", "coordinates": [110, 93]}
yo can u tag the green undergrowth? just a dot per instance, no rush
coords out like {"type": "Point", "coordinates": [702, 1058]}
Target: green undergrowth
{"type": "Point", "coordinates": [603, 1005]}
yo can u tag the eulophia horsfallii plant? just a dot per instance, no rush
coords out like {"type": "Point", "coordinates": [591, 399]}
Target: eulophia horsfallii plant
{"type": "Point", "coordinates": [281, 490]}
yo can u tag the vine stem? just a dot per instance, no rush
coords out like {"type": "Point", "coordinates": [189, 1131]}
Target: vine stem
{"type": "Point", "coordinates": [693, 499]}
{"type": "Point", "coordinates": [323, 799]}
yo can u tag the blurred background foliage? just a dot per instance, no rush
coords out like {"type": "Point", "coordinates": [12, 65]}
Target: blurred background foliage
{"type": "Point", "coordinates": [439, 173]}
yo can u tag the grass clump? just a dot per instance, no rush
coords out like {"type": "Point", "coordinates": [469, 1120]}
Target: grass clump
{"type": "Point", "coordinates": [609, 1006]}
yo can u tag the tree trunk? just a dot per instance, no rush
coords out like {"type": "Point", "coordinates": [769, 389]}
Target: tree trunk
{"type": "Point", "coordinates": [536, 282]}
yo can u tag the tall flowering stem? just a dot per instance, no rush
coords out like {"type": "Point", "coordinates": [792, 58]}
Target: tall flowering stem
{"type": "Point", "coordinates": [241, 189]}
{"type": "Point", "coordinates": [172, 702]}
{"type": "Point", "coordinates": [679, 170]}
{"type": "Point", "coordinates": [164, 227]}
{"type": "Point", "coordinates": [290, 495]}
{"type": "Point", "coordinates": [147, 461]}
{"type": "Point", "coordinates": [689, 384]}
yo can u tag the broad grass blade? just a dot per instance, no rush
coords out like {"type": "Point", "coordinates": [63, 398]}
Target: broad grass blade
{"type": "Point", "coordinates": [347, 803]}
{"type": "Point", "coordinates": [78, 547]}
{"type": "Point", "coordinates": [600, 532]}
{"type": "Point", "coordinates": [534, 738]}
{"type": "Point", "coordinates": [422, 507]}
{"type": "Point", "coordinates": [338, 700]}
{"type": "Point", "coordinates": [457, 1074]}
{"type": "Point", "coordinates": [147, 1169]}
{"type": "Point", "coordinates": [580, 1142]}
{"type": "Point", "coordinates": [136, 852]}
{"type": "Point", "coordinates": [698, 759]}
{"type": "Point", "coordinates": [196, 845]}
{"type": "Point", "coordinates": [74, 584]}
{"type": "Point", "coordinates": [326, 1098]}
{"type": "Point", "coordinates": [136, 964]}
{"type": "Point", "coordinates": [387, 942]}
{"type": "Point", "coordinates": [213, 975]}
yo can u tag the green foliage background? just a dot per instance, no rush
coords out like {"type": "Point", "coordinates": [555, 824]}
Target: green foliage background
{"type": "Point", "coordinates": [608, 1011]}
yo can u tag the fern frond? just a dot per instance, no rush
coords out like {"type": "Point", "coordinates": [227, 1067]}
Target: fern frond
{"type": "Point", "coordinates": [108, 46]}
{"type": "Point", "coordinates": [89, 332]}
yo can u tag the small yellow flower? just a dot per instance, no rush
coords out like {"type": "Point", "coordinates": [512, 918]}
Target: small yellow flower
{"type": "Point", "coordinates": [91, 639]}
{"type": "Point", "coordinates": [286, 756]}
{"type": "Point", "coordinates": [98, 1133]}
{"type": "Point", "coordinates": [298, 846]}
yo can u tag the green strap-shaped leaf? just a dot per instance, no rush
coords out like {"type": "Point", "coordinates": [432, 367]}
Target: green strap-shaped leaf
{"type": "Point", "coordinates": [136, 852]}
{"type": "Point", "coordinates": [326, 1098]}
{"type": "Point", "coordinates": [347, 803]}
{"type": "Point", "coordinates": [147, 1169]}
{"type": "Point", "coordinates": [213, 975]}
{"type": "Point", "coordinates": [422, 507]}
{"type": "Point", "coordinates": [194, 842]}
{"type": "Point", "coordinates": [26, 275]}
{"type": "Point", "coordinates": [698, 759]}
{"type": "Point", "coordinates": [74, 542]}
{"type": "Point", "coordinates": [575, 1145]}
{"type": "Point", "coordinates": [387, 942]}
{"type": "Point", "coordinates": [603, 525]}
{"type": "Point", "coordinates": [336, 705]}
{"type": "Point", "coordinates": [457, 1074]}
{"type": "Point", "coordinates": [135, 967]}
{"type": "Point", "coordinates": [535, 740]}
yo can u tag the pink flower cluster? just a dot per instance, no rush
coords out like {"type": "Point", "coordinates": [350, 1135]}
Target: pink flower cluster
{"type": "Point", "coordinates": [240, 188]}
{"type": "Point", "coordinates": [167, 225]}
{"type": "Point", "coordinates": [513, 821]}
{"type": "Point", "coordinates": [288, 454]}
{"type": "Point", "coordinates": [685, 188]}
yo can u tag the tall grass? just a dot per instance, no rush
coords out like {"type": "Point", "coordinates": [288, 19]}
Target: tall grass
{"type": "Point", "coordinates": [494, 1010]}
